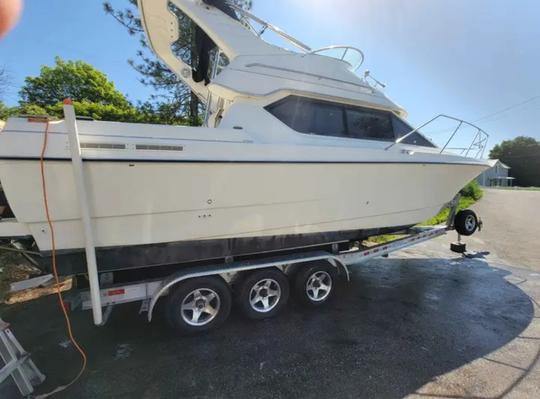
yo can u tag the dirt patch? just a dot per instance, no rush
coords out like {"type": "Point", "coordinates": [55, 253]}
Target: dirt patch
{"type": "Point", "coordinates": [13, 267]}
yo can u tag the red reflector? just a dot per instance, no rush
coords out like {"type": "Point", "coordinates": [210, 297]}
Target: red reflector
{"type": "Point", "coordinates": [120, 291]}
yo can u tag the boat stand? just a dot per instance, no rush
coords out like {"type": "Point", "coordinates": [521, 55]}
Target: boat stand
{"type": "Point", "coordinates": [17, 362]}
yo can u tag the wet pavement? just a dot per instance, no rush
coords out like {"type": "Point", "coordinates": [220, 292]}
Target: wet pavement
{"type": "Point", "coordinates": [424, 323]}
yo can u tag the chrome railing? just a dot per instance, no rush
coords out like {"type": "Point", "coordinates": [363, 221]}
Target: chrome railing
{"type": "Point", "coordinates": [347, 53]}
{"type": "Point", "coordinates": [476, 147]}
{"type": "Point", "coordinates": [343, 53]}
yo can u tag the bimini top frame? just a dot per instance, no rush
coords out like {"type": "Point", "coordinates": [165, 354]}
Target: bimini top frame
{"type": "Point", "coordinates": [248, 18]}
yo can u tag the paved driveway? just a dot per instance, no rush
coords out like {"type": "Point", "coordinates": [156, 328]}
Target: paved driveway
{"type": "Point", "coordinates": [512, 226]}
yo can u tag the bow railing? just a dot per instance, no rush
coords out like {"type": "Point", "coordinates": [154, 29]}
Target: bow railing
{"type": "Point", "coordinates": [475, 149]}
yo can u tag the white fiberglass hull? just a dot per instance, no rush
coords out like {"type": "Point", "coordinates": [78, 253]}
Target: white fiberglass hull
{"type": "Point", "coordinates": [140, 203]}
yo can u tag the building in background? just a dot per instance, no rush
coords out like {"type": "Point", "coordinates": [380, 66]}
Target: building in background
{"type": "Point", "coordinates": [496, 176]}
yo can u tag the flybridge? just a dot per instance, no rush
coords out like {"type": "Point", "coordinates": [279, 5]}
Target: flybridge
{"type": "Point", "coordinates": [231, 60]}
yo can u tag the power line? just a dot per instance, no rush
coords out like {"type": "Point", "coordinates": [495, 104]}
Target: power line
{"type": "Point", "coordinates": [483, 118]}
{"type": "Point", "coordinates": [507, 108]}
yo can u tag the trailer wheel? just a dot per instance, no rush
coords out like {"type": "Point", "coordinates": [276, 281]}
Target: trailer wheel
{"type": "Point", "coordinates": [314, 284]}
{"type": "Point", "coordinates": [199, 305]}
{"type": "Point", "coordinates": [466, 222]}
{"type": "Point", "coordinates": [263, 293]}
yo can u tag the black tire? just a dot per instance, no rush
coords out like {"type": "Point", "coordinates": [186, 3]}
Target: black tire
{"type": "Point", "coordinates": [271, 284]}
{"type": "Point", "coordinates": [214, 293]}
{"type": "Point", "coordinates": [466, 222]}
{"type": "Point", "coordinates": [317, 275]}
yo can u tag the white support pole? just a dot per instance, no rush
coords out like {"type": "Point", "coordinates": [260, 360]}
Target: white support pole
{"type": "Point", "coordinates": [80, 184]}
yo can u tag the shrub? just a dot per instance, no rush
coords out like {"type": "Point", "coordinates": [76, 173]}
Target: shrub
{"type": "Point", "coordinates": [472, 190]}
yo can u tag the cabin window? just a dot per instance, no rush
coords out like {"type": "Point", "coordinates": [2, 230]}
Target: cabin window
{"type": "Point", "coordinates": [401, 129]}
{"type": "Point", "coordinates": [309, 116]}
{"type": "Point", "coordinates": [368, 124]}
{"type": "Point", "coordinates": [328, 118]}
{"type": "Point", "coordinates": [325, 118]}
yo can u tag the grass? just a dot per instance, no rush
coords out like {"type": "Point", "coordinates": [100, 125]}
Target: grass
{"type": "Point", "coordinates": [515, 188]}
{"type": "Point", "coordinates": [471, 193]}
{"type": "Point", "coordinates": [442, 217]}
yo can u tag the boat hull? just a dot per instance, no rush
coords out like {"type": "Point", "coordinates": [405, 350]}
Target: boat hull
{"type": "Point", "coordinates": [137, 203]}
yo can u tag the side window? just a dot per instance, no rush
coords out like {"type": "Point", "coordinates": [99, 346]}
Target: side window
{"type": "Point", "coordinates": [310, 116]}
{"type": "Point", "coordinates": [294, 112]}
{"type": "Point", "coordinates": [328, 120]}
{"type": "Point", "coordinates": [324, 118]}
{"type": "Point", "coordinates": [369, 124]}
{"type": "Point", "coordinates": [401, 129]}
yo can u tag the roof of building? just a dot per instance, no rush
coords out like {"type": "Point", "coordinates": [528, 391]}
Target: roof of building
{"type": "Point", "coordinates": [493, 162]}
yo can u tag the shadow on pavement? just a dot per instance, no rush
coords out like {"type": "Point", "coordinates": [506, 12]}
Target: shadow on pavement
{"type": "Point", "coordinates": [395, 327]}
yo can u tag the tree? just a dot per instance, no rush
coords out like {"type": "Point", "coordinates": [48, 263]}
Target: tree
{"type": "Point", "coordinates": [92, 93]}
{"type": "Point", "coordinates": [5, 111]}
{"type": "Point", "coordinates": [5, 81]}
{"type": "Point", "coordinates": [522, 154]}
{"type": "Point", "coordinates": [70, 79]}
{"type": "Point", "coordinates": [172, 94]}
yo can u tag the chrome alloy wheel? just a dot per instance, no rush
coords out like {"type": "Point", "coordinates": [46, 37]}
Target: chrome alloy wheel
{"type": "Point", "coordinates": [470, 222]}
{"type": "Point", "coordinates": [319, 286]}
{"type": "Point", "coordinates": [200, 307]}
{"type": "Point", "coordinates": [265, 295]}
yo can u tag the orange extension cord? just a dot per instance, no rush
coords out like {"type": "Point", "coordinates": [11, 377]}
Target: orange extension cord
{"type": "Point", "coordinates": [55, 272]}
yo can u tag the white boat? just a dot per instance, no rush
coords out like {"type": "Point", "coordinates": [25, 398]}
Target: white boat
{"type": "Point", "coordinates": [297, 151]}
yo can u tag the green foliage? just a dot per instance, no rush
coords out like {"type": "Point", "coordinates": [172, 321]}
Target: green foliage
{"type": "Point", "coordinates": [93, 96]}
{"type": "Point", "coordinates": [5, 81]}
{"type": "Point", "coordinates": [442, 217]}
{"type": "Point", "coordinates": [5, 111]}
{"type": "Point", "coordinates": [70, 79]}
{"type": "Point", "coordinates": [472, 190]}
{"type": "Point", "coordinates": [522, 154]}
{"type": "Point", "coordinates": [29, 109]}
{"type": "Point", "coordinates": [108, 112]}
{"type": "Point", "coordinates": [470, 194]}
{"type": "Point", "coordinates": [97, 111]}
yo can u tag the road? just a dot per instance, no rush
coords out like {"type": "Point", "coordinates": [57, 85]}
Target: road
{"type": "Point", "coordinates": [424, 323]}
{"type": "Point", "coordinates": [512, 226]}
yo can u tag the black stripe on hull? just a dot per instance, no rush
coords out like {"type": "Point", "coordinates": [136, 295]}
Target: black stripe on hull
{"type": "Point", "coordinates": [167, 256]}
{"type": "Point", "coordinates": [195, 161]}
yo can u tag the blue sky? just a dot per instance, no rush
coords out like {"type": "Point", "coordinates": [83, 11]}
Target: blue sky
{"type": "Point", "coordinates": [467, 58]}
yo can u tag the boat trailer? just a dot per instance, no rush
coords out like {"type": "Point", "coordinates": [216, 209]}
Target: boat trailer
{"type": "Point", "coordinates": [148, 292]}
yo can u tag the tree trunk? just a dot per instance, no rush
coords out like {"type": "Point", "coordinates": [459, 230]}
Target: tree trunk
{"type": "Point", "coordinates": [194, 110]}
